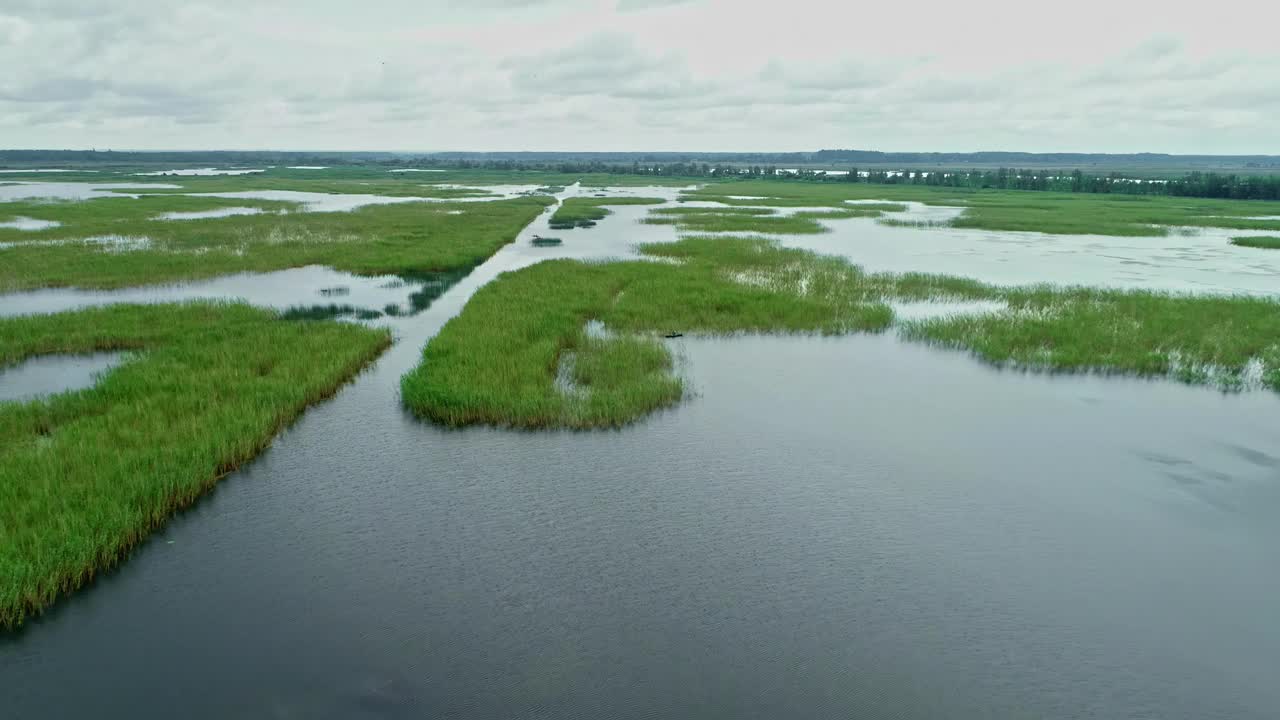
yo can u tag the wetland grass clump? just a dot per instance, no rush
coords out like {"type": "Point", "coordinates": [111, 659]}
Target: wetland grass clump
{"type": "Point", "coordinates": [372, 240]}
{"type": "Point", "coordinates": [86, 475]}
{"type": "Point", "coordinates": [1265, 243]}
{"type": "Point", "coordinates": [712, 220]}
{"type": "Point", "coordinates": [1230, 342]}
{"type": "Point", "coordinates": [587, 211]}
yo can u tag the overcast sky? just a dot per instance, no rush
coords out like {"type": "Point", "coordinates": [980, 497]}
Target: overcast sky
{"type": "Point", "coordinates": [1086, 75]}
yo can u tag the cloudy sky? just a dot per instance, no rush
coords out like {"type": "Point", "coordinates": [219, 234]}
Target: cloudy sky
{"type": "Point", "coordinates": [1088, 75]}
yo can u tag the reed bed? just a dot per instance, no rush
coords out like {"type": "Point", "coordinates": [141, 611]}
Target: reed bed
{"type": "Point", "coordinates": [86, 475]}
{"type": "Point", "coordinates": [587, 211]}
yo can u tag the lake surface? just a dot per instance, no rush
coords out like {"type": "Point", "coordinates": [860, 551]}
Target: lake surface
{"type": "Point", "coordinates": [844, 527]}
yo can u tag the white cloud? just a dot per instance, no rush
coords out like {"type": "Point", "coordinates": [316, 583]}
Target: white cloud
{"type": "Point", "coordinates": [638, 74]}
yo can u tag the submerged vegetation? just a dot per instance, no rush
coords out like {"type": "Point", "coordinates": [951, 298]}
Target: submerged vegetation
{"type": "Point", "coordinates": [587, 211]}
{"type": "Point", "coordinates": [85, 475]}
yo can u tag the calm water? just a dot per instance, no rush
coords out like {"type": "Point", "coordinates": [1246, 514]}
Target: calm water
{"type": "Point", "coordinates": [850, 527]}
{"type": "Point", "coordinates": [48, 374]}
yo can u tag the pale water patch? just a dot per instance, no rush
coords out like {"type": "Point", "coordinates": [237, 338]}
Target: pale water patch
{"type": "Point", "coordinates": [31, 190]}
{"type": "Point", "coordinates": [209, 214]}
{"type": "Point", "coordinates": [939, 309]}
{"type": "Point", "coordinates": [409, 170]}
{"type": "Point", "coordinates": [47, 170]}
{"type": "Point", "coordinates": [48, 374]}
{"type": "Point", "coordinates": [307, 167]}
{"type": "Point", "coordinates": [314, 201]}
{"type": "Point", "coordinates": [1202, 261]}
{"type": "Point", "coordinates": [26, 223]}
{"type": "Point", "coordinates": [108, 243]}
{"type": "Point", "coordinates": [203, 172]}
{"type": "Point", "coordinates": [341, 202]}
{"type": "Point", "coordinates": [282, 290]}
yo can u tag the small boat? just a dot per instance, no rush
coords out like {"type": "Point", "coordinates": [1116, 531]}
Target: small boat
{"type": "Point", "coordinates": [545, 241]}
{"type": "Point", "coordinates": [673, 335]}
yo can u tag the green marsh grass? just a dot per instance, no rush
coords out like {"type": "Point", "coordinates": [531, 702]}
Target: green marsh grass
{"type": "Point", "coordinates": [372, 240]}
{"type": "Point", "coordinates": [1265, 243]}
{"type": "Point", "coordinates": [587, 211]}
{"type": "Point", "coordinates": [86, 475]}
{"type": "Point", "coordinates": [1059, 213]}
{"type": "Point", "coordinates": [1197, 339]}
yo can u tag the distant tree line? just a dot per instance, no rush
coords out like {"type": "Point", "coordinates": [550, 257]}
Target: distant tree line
{"type": "Point", "coordinates": [788, 166]}
{"type": "Point", "coordinates": [1193, 184]}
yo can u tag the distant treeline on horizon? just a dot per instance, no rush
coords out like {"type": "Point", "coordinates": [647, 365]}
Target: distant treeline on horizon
{"type": "Point", "coordinates": [1148, 174]}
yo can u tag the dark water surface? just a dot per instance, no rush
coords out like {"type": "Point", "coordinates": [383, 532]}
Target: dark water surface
{"type": "Point", "coordinates": [832, 528]}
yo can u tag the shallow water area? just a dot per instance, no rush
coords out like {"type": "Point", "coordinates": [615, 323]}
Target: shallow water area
{"type": "Point", "coordinates": [202, 172]}
{"type": "Point", "coordinates": [303, 287]}
{"type": "Point", "coordinates": [209, 214]}
{"type": "Point", "coordinates": [1203, 261]}
{"type": "Point", "coordinates": [26, 223]}
{"type": "Point", "coordinates": [32, 190]}
{"type": "Point", "coordinates": [48, 374]}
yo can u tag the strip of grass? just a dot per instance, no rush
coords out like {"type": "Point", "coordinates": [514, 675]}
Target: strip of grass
{"type": "Point", "coordinates": [587, 211]}
{"type": "Point", "coordinates": [752, 219]}
{"type": "Point", "coordinates": [301, 181]}
{"type": "Point", "coordinates": [497, 362]}
{"type": "Point", "coordinates": [721, 223]}
{"type": "Point", "coordinates": [682, 212]}
{"type": "Point", "coordinates": [1060, 213]}
{"type": "Point", "coordinates": [1266, 243]}
{"type": "Point", "coordinates": [85, 476]}
{"type": "Point", "coordinates": [372, 240]}
{"type": "Point", "coordinates": [1196, 339]}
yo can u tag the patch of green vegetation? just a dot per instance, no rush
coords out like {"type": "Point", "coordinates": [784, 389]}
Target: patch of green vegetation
{"type": "Point", "coordinates": [587, 211]}
{"type": "Point", "coordinates": [1266, 243]}
{"type": "Point", "coordinates": [330, 312]}
{"type": "Point", "coordinates": [694, 211]}
{"type": "Point", "coordinates": [497, 362]}
{"type": "Point", "coordinates": [86, 475]}
{"type": "Point", "coordinates": [432, 187]}
{"type": "Point", "coordinates": [373, 240]}
{"type": "Point", "coordinates": [751, 219]}
{"type": "Point", "coordinates": [700, 222]}
{"type": "Point", "coordinates": [839, 213]}
{"type": "Point", "coordinates": [1197, 339]}
{"type": "Point", "coordinates": [1014, 210]}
